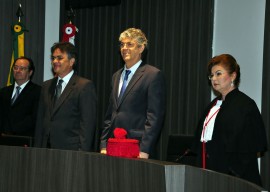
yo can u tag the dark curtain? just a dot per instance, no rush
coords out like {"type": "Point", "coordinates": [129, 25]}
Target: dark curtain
{"type": "Point", "coordinates": [265, 165]}
{"type": "Point", "coordinates": [180, 41]}
{"type": "Point", "coordinates": [34, 21]}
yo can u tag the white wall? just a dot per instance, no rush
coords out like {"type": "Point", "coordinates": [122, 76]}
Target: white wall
{"type": "Point", "coordinates": [239, 31]}
{"type": "Point", "coordinates": [52, 17]}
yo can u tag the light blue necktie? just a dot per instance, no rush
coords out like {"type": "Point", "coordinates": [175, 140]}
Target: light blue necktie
{"type": "Point", "coordinates": [16, 95]}
{"type": "Point", "coordinates": [124, 86]}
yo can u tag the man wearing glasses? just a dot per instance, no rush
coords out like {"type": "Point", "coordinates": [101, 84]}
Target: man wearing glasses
{"type": "Point", "coordinates": [19, 102]}
{"type": "Point", "coordinates": [137, 101]}
{"type": "Point", "coordinates": [67, 107]}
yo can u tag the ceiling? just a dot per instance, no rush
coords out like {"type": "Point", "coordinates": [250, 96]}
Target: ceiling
{"type": "Point", "coordinates": [80, 4]}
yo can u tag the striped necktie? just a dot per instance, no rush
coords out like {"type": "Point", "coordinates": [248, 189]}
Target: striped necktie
{"type": "Point", "coordinates": [18, 88]}
{"type": "Point", "coordinates": [58, 89]}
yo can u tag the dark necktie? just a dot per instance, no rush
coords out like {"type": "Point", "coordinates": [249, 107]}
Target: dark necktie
{"type": "Point", "coordinates": [18, 88]}
{"type": "Point", "coordinates": [124, 86]}
{"type": "Point", "coordinates": [58, 89]}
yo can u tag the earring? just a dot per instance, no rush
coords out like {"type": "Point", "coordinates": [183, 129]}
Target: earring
{"type": "Point", "coordinates": [232, 84]}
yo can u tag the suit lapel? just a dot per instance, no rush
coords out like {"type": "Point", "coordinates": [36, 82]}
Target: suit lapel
{"type": "Point", "coordinates": [116, 85]}
{"type": "Point", "coordinates": [68, 89]}
{"type": "Point", "coordinates": [23, 92]}
{"type": "Point", "coordinates": [9, 94]}
{"type": "Point", "coordinates": [138, 74]}
{"type": "Point", "coordinates": [52, 87]}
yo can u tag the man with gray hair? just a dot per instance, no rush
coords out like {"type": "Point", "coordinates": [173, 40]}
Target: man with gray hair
{"type": "Point", "coordinates": [137, 101]}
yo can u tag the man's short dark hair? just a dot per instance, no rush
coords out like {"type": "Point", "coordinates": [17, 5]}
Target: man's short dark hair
{"type": "Point", "coordinates": [65, 47]}
{"type": "Point", "coordinates": [68, 48]}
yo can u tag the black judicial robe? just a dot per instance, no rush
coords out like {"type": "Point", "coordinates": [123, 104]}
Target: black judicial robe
{"type": "Point", "coordinates": [239, 134]}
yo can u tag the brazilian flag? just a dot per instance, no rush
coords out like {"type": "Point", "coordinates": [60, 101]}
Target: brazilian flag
{"type": "Point", "coordinates": [17, 30]}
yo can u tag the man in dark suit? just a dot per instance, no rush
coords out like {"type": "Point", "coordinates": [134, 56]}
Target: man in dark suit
{"type": "Point", "coordinates": [137, 101]}
{"type": "Point", "coordinates": [19, 102]}
{"type": "Point", "coordinates": [67, 107]}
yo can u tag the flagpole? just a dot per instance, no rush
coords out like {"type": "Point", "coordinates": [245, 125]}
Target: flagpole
{"type": "Point", "coordinates": [17, 30]}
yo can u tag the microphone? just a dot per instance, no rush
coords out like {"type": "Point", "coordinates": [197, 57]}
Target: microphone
{"type": "Point", "coordinates": [183, 155]}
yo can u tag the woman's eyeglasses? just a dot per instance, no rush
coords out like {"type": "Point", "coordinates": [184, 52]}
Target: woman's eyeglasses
{"type": "Point", "coordinates": [217, 74]}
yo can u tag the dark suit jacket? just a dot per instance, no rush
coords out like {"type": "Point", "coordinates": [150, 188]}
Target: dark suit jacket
{"type": "Point", "coordinates": [70, 122]}
{"type": "Point", "coordinates": [238, 135]}
{"type": "Point", "coordinates": [20, 118]}
{"type": "Point", "coordinates": [141, 109]}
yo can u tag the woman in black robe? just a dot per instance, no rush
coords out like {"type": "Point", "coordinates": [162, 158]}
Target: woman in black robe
{"type": "Point", "coordinates": [231, 133]}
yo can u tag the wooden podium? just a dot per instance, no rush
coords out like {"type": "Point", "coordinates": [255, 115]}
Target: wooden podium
{"type": "Point", "coordinates": [49, 170]}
